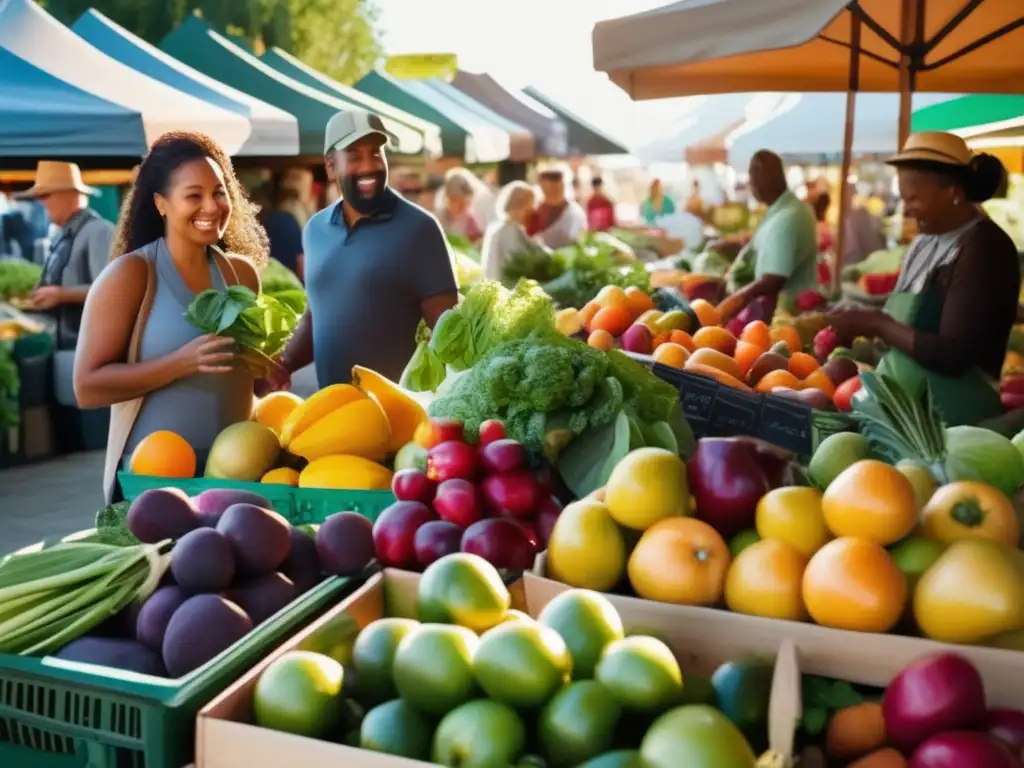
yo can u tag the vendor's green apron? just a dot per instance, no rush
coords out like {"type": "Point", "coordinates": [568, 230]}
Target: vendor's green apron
{"type": "Point", "coordinates": [967, 399]}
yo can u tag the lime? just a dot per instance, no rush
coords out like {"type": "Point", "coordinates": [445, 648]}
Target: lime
{"type": "Point", "coordinates": [300, 693]}
{"type": "Point", "coordinates": [588, 622]}
{"type": "Point", "coordinates": [578, 723]}
{"type": "Point", "coordinates": [642, 673]}
{"type": "Point", "coordinates": [374, 653]}
{"type": "Point", "coordinates": [463, 589]}
{"type": "Point", "coordinates": [522, 663]}
{"type": "Point", "coordinates": [433, 667]}
{"type": "Point", "coordinates": [397, 728]}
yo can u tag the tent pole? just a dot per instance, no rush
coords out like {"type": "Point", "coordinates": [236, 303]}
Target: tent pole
{"type": "Point", "coordinates": [845, 198]}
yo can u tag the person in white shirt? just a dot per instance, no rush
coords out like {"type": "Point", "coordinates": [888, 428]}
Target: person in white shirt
{"type": "Point", "coordinates": [559, 220]}
{"type": "Point", "coordinates": [507, 234]}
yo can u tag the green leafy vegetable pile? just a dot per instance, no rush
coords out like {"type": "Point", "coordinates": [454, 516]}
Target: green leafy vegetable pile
{"type": "Point", "coordinates": [284, 285]}
{"type": "Point", "coordinates": [261, 324]}
{"type": "Point", "coordinates": [10, 386]}
{"type": "Point", "coordinates": [18, 278]}
{"type": "Point", "coordinates": [112, 526]}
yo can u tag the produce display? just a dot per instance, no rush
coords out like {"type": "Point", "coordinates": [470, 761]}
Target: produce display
{"type": "Point", "coordinates": [10, 387]}
{"type": "Point", "coordinates": [472, 682]}
{"type": "Point", "coordinates": [18, 278]}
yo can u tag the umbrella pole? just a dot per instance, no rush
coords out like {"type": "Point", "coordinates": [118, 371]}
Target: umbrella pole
{"type": "Point", "coordinates": [845, 198]}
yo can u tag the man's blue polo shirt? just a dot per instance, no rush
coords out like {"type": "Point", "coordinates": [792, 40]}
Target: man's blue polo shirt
{"type": "Point", "coordinates": [365, 286]}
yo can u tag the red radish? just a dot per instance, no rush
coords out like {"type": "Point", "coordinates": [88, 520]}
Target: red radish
{"type": "Point", "coordinates": [546, 515]}
{"type": "Point", "coordinates": [395, 530]}
{"type": "Point", "coordinates": [436, 539]}
{"type": "Point", "coordinates": [531, 533]}
{"type": "Point", "coordinates": [937, 693]}
{"type": "Point", "coordinates": [412, 485]}
{"type": "Point", "coordinates": [963, 749]}
{"type": "Point", "coordinates": [458, 501]}
{"type": "Point", "coordinates": [491, 430]}
{"type": "Point", "coordinates": [502, 543]}
{"type": "Point", "coordinates": [512, 493]}
{"type": "Point", "coordinates": [451, 459]}
{"type": "Point", "coordinates": [1007, 725]}
{"type": "Point", "coordinates": [436, 431]}
{"type": "Point", "coordinates": [502, 456]}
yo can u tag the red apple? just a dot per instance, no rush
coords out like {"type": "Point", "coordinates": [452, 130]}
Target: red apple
{"type": "Point", "coordinates": [963, 749]}
{"type": "Point", "coordinates": [491, 430]}
{"type": "Point", "coordinates": [449, 459]}
{"type": "Point", "coordinates": [1007, 725]}
{"type": "Point", "coordinates": [502, 543]}
{"type": "Point", "coordinates": [412, 485]}
{"type": "Point", "coordinates": [436, 431]}
{"type": "Point", "coordinates": [546, 515]}
{"type": "Point", "coordinates": [937, 693]}
{"type": "Point", "coordinates": [458, 501]}
{"type": "Point", "coordinates": [512, 493]}
{"type": "Point", "coordinates": [502, 456]}
{"type": "Point", "coordinates": [395, 530]}
{"type": "Point", "coordinates": [436, 539]}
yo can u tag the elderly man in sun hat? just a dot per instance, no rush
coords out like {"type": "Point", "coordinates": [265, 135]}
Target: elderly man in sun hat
{"type": "Point", "coordinates": [78, 251]}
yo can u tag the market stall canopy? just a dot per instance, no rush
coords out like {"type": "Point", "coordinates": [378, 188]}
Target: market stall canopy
{"type": "Point", "coordinates": [971, 115]}
{"type": "Point", "coordinates": [30, 33]}
{"type": "Point", "coordinates": [197, 44]}
{"type": "Point", "coordinates": [701, 132]}
{"type": "Point", "coordinates": [550, 131]}
{"type": "Point", "coordinates": [464, 134]}
{"type": "Point", "coordinates": [288, 65]}
{"type": "Point", "coordinates": [725, 46]}
{"type": "Point", "coordinates": [274, 131]}
{"type": "Point", "coordinates": [808, 128]}
{"type": "Point", "coordinates": [584, 138]}
{"type": "Point", "coordinates": [43, 116]}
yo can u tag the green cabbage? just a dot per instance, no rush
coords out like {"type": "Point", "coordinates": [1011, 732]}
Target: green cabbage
{"type": "Point", "coordinates": [989, 456]}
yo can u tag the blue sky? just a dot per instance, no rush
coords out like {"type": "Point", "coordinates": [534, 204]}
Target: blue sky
{"type": "Point", "coordinates": [545, 43]}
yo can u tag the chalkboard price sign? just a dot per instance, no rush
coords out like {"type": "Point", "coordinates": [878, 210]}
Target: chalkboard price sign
{"type": "Point", "coordinates": [734, 413]}
{"type": "Point", "coordinates": [787, 424]}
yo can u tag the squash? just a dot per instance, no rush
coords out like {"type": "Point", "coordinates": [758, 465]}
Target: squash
{"type": "Point", "coordinates": [351, 473]}
{"type": "Point", "coordinates": [315, 408]}
{"type": "Point", "coordinates": [403, 412]}
{"type": "Point", "coordinates": [357, 429]}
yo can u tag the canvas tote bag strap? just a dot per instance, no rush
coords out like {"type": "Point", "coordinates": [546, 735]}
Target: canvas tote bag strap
{"type": "Point", "coordinates": [123, 415]}
{"type": "Point", "coordinates": [227, 269]}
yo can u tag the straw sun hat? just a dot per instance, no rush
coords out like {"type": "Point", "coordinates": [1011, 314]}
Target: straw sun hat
{"type": "Point", "coordinates": [53, 176]}
{"type": "Point", "coordinates": [934, 147]}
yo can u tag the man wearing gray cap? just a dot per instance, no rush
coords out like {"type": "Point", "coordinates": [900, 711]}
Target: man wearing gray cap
{"type": "Point", "coordinates": [375, 265]}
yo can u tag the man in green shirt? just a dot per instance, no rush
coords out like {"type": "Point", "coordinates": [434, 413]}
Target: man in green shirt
{"type": "Point", "coordinates": [785, 244]}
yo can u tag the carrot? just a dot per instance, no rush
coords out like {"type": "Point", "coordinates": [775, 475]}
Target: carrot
{"type": "Point", "coordinates": [717, 374]}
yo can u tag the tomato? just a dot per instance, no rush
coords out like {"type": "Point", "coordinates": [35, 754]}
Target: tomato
{"type": "Point", "coordinates": [766, 580]}
{"type": "Point", "coordinates": [853, 583]}
{"type": "Point", "coordinates": [845, 392]}
{"type": "Point", "coordinates": [973, 592]}
{"type": "Point", "coordinates": [872, 500]}
{"type": "Point", "coordinates": [968, 509]}
{"type": "Point", "coordinates": [793, 515]}
{"type": "Point", "coordinates": [680, 560]}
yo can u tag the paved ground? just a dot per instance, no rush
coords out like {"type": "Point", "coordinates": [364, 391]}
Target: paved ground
{"type": "Point", "coordinates": [54, 498]}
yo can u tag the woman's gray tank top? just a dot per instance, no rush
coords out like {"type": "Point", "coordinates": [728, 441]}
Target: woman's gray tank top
{"type": "Point", "coordinates": [199, 406]}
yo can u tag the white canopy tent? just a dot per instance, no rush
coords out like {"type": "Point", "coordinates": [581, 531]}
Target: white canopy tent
{"type": "Point", "coordinates": [809, 128]}
{"type": "Point", "coordinates": [30, 33]}
{"type": "Point", "coordinates": [274, 131]}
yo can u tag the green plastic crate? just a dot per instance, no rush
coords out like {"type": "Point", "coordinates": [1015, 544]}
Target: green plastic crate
{"type": "Point", "coordinates": [298, 505]}
{"type": "Point", "coordinates": [58, 714]}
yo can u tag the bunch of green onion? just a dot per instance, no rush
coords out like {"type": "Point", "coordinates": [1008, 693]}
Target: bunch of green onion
{"type": "Point", "coordinates": [49, 597]}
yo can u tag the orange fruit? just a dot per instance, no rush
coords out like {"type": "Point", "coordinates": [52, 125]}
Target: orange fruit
{"type": "Point", "coordinates": [818, 379]}
{"type": "Point", "coordinates": [672, 354]}
{"type": "Point", "coordinates": [774, 379]}
{"type": "Point", "coordinates": [855, 731]}
{"type": "Point", "coordinates": [706, 312]}
{"type": "Point", "coordinates": [853, 583]}
{"type": "Point", "coordinates": [715, 359]}
{"type": "Point", "coordinates": [746, 355]}
{"type": "Point", "coordinates": [766, 579]}
{"type": "Point", "coordinates": [587, 314]}
{"type": "Point", "coordinates": [680, 560]}
{"type": "Point", "coordinates": [637, 301]}
{"type": "Point", "coordinates": [615, 319]}
{"type": "Point", "coordinates": [272, 410]}
{"type": "Point", "coordinates": [758, 333]}
{"type": "Point", "coordinates": [714, 337]}
{"type": "Point", "coordinates": [802, 365]}
{"type": "Point", "coordinates": [611, 296]}
{"type": "Point", "coordinates": [788, 334]}
{"type": "Point", "coordinates": [163, 454]}
{"type": "Point", "coordinates": [601, 339]}
{"type": "Point", "coordinates": [887, 757]}
{"type": "Point", "coordinates": [872, 500]}
{"type": "Point", "coordinates": [682, 338]}
{"type": "Point", "coordinates": [659, 339]}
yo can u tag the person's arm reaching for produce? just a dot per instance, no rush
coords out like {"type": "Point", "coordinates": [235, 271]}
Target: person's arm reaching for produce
{"type": "Point", "coordinates": [101, 375]}
{"type": "Point", "coordinates": [433, 276]}
{"type": "Point", "coordinates": [777, 257]}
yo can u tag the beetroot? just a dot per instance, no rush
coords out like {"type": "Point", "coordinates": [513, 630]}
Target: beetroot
{"type": "Point", "coordinates": [1007, 725]}
{"type": "Point", "coordinates": [450, 459]}
{"type": "Point", "coordinates": [963, 749]}
{"type": "Point", "coordinates": [503, 543]}
{"type": "Point", "coordinates": [491, 430]}
{"type": "Point", "coordinates": [726, 481]}
{"type": "Point", "coordinates": [825, 342]}
{"type": "Point", "coordinates": [394, 533]}
{"type": "Point", "coordinates": [502, 456]}
{"type": "Point", "coordinates": [511, 493]}
{"type": "Point", "coordinates": [412, 485]}
{"type": "Point", "coordinates": [937, 693]}
{"type": "Point", "coordinates": [458, 501]}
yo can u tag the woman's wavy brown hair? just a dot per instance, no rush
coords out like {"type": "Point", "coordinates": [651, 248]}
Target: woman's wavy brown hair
{"type": "Point", "coordinates": [140, 223]}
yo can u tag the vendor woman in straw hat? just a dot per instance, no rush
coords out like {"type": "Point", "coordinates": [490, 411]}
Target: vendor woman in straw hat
{"type": "Point", "coordinates": [78, 251]}
{"type": "Point", "coordinates": [948, 321]}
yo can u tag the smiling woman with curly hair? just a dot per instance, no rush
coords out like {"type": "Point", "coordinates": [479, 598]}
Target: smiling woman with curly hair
{"type": "Point", "coordinates": [186, 226]}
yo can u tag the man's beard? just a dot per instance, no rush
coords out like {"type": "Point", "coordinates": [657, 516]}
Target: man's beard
{"type": "Point", "coordinates": [361, 202]}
